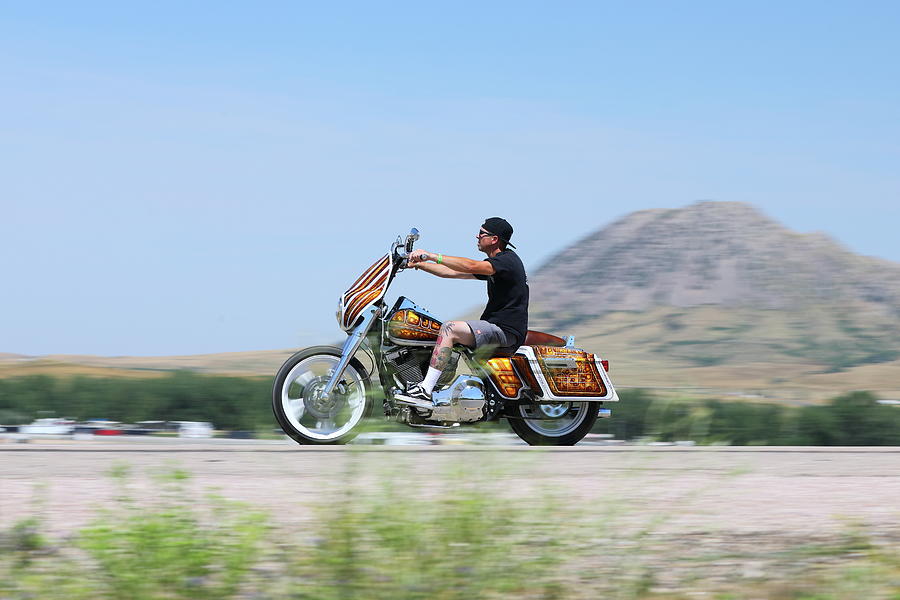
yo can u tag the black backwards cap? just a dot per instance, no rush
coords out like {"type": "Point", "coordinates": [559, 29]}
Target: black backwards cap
{"type": "Point", "coordinates": [499, 227]}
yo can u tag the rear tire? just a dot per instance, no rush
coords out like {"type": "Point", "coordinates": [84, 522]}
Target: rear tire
{"type": "Point", "coordinates": [310, 419]}
{"type": "Point", "coordinates": [573, 421]}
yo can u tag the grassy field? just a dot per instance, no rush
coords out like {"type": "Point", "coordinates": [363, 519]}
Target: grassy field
{"type": "Point", "coordinates": [764, 355]}
{"type": "Point", "coordinates": [229, 363]}
{"type": "Point", "coordinates": [786, 380]}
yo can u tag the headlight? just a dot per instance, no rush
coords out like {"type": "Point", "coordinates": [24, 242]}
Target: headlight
{"type": "Point", "coordinates": [340, 312]}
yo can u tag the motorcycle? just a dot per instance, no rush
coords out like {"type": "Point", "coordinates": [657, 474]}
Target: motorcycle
{"type": "Point", "coordinates": [549, 391]}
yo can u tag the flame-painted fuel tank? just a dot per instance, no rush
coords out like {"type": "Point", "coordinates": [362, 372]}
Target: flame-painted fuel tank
{"type": "Point", "coordinates": [410, 325]}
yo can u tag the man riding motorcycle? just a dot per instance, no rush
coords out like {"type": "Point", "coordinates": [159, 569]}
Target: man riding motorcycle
{"type": "Point", "coordinates": [504, 322]}
{"type": "Point", "coordinates": [549, 391]}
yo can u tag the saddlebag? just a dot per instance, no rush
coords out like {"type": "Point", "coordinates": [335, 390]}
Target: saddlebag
{"type": "Point", "coordinates": [563, 373]}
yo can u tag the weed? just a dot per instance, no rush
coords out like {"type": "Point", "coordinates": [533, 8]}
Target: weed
{"type": "Point", "coordinates": [398, 543]}
{"type": "Point", "coordinates": [172, 547]}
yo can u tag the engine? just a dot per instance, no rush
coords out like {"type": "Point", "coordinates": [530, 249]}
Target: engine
{"type": "Point", "coordinates": [411, 364]}
{"type": "Point", "coordinates": [457, 398]}
{"type": "Point", "coordinates": [462, 402]}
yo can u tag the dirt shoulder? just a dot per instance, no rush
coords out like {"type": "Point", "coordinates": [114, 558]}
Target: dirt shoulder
{"type": "Point", "coordinates": [685, 490]}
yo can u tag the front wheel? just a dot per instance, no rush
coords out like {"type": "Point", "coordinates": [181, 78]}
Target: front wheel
{"type": "Point", "coordinates": [559, 424]}
{"type": "Point", "coordinates": [304, 413]}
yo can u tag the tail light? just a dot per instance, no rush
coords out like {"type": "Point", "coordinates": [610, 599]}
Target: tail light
{"type": "Point", "coordinates": [605, 364]}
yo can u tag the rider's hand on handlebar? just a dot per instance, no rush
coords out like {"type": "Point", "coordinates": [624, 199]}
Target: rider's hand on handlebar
{"type": "Point", "coordinates": [417, 256]}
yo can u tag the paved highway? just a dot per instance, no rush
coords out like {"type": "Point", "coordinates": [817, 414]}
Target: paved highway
{"type": "Point", "coordinates": [689, 489]}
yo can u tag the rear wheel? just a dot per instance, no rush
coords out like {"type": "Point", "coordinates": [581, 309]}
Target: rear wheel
{"type": "Point", "coordinates": [558, 424]}
{"type": "Point", "coordinates": [308, 416]}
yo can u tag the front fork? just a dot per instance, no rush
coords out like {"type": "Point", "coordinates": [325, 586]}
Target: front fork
{"type": "Point", "coordinates": [350, 347]}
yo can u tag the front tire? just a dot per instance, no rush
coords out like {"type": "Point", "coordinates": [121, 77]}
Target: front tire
{"type": "Point", "coordinates": [306, 416]}
{"type": "Point", "coordinates": [560, 424]}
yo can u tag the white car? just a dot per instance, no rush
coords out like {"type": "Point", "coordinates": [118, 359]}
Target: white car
{"type": "Point", "coordinates": [195, 429]}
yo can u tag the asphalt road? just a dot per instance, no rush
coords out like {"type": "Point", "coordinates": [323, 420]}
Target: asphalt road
{"type": "Point", "coordinates": [734, 490]}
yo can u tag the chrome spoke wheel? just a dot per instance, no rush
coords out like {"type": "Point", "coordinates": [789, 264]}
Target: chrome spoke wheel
{"type": "Point", "coordinates": [311, 413]}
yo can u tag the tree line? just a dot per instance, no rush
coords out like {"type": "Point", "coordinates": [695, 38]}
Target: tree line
{"type": "Point", "coordinates": [854, 419]}
{"type": "Point", "coordinates": [233, 403]}
{"type": "Point", "coordinates": [244, 403]}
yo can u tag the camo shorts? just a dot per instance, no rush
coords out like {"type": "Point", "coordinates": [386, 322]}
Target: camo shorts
{"type": "Point", "coordinates": [488, 334]}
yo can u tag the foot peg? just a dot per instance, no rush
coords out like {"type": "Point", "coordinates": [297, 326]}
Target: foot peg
{"type": "Point", "coordinates": [462, 402]}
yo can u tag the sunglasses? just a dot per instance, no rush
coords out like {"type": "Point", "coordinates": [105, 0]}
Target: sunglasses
{"type": "Point", "coordinates": [481, 234]}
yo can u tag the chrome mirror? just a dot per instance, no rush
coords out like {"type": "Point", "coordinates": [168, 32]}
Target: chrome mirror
{"type": "Point", "coordinates": [411, 239]}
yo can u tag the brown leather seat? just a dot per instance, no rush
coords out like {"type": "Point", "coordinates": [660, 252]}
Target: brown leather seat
{"type": "Point", "coordinates": [532, 338]}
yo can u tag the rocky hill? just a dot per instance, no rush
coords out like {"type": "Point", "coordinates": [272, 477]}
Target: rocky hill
{"type": "Point", "coordinates": [712, 253]}
{"type": "Point", "coordinates": [719, 284]}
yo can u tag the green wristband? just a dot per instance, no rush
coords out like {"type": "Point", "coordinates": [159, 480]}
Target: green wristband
{"type": "Point", "coordinates": [440, 258]}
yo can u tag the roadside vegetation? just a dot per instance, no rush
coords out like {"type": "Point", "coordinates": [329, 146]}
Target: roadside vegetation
{"type": "Point", "coordinates": [855, 419]}
{"type": "Point", "coordinates": [241, 403]}
{"type": "Point", "coordinates": [232, 403]}
{"type": "Point", "coordinates": [401, 540]}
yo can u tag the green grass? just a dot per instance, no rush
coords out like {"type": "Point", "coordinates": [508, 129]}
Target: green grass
{"type": "Point", "coordinates": [168, 546]}
{"type": "Point", "coordinates": [399, 543]}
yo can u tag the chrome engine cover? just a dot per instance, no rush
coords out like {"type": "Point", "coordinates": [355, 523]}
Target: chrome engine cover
{"type": "Point", "coordinates": [461, 402]}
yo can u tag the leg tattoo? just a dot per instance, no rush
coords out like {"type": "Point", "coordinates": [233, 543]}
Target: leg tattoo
{"type": "Point", "coordinates": [442, 359]}
{"type": "Point", "coordinates": [443, 348]}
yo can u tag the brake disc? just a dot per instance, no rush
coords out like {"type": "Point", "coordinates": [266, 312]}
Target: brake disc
{"type": "Point", "coordinates": [318, 404]}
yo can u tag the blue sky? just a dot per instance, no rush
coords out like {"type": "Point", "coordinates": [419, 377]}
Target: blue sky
{"type": "Point", "coordinates": [183, 178]}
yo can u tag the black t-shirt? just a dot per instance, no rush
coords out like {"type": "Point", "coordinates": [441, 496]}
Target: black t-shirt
{"type": "Point", "coordinates": [507, 289]}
